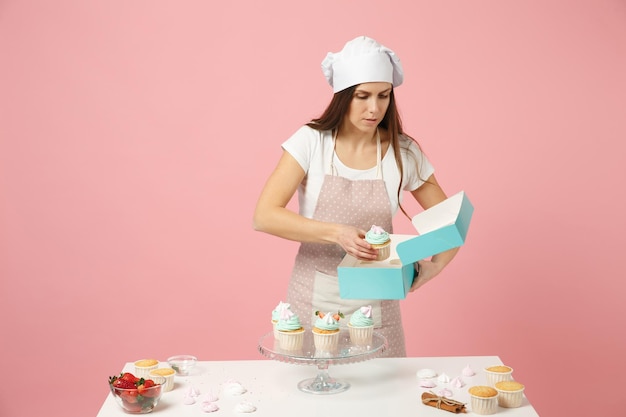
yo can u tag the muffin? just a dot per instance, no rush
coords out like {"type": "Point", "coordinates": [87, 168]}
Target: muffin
{"type": "Point", "coordinates": [510, 393]}
{"type": "Point", "coordinates": [144, 366]}
{"type": "Point", "coordinates": [379, 239]}
{"type": "Point", "coordinates": [484, 399]}
{"type": "Point", "coordinates": [326, 331]}
{"type": "Point", "coordinates": [166, 375]}
{"type": "Point", "coordinates": [290, 330]}
{"type": "Point", "coordinates": [361, 326]}
{"type": "Point", "coordinates": [276, 315]}
{"type": "Point", "coordinates": [498, 373]}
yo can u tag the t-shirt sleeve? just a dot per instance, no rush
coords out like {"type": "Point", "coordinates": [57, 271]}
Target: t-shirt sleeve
{"type": "Point", "coordinates": [301, 146]}
{"type": "Point", "coordinates": [416, 165]}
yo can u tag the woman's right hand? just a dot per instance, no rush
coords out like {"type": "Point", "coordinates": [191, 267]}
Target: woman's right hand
{"type": "Point", "coordinates": [352, 240]}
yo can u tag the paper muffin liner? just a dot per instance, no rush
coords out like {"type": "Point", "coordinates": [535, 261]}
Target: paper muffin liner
{"type": "Point", "coordinates": [291, 340]}
{"type": "Point", "coordinates": [361, 336]}
{"type": "Point", "coordinates": [494, 377]}
{"type": "Point", "coordinates": [326, 342]}
{"type": "Point", "coordinates": [274, 322]}
{"type": "Point", "coordinates": [482, 405]}
{"type": "Point", "coordinates": [509, 398]}
{"type": "Point", "coordinates": [384, 251]}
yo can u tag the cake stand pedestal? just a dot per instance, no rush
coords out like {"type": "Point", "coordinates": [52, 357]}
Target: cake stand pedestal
{"type": "Point", "coordinates": [345, 353]}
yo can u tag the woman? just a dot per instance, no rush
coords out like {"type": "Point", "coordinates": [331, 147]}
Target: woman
{"type": "Point", "coordinates": [349, 167]}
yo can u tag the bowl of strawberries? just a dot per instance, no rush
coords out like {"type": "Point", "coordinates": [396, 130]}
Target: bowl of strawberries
{"type": "Point", "coordinates": [135, 395]}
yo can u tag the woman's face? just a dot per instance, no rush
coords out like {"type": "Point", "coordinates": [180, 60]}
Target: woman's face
{"type": "Point", "coordinates": [368, 106]}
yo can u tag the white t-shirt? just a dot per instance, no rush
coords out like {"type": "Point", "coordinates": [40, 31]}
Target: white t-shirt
{"type": "Point", "coordinates": [314, 152]}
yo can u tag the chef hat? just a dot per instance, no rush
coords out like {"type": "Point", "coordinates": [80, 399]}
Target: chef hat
{"type": "Point", "coordinates": [362, 60]}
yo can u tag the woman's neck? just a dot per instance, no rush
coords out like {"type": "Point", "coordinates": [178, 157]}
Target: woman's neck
{"type": "Point", "coordinates": [356, 136]}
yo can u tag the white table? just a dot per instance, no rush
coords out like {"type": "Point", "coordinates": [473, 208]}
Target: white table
{"type": "Point", "coordinates": [379, 387]}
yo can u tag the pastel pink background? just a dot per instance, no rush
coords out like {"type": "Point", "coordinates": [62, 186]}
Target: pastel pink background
{"type": "Point", "coordinates": [135, 137]}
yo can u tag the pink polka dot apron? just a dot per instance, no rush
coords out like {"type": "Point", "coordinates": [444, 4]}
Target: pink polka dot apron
{"type": "Point", "coordinates": [314, 284]}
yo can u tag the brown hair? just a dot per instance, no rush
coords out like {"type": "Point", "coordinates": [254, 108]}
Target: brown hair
{"type": "Point", "coordinates": [338, 107]}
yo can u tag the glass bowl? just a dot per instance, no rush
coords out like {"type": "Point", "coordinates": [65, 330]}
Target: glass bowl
{"type": "Point", "coordinates": [137, 400]}
{"type": "Point", "coordinates": [182, 364]}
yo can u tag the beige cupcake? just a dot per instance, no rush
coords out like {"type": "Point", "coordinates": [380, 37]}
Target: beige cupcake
{"type": "Point", "coordinates": [484, 399]}
{"type": "Point", "coordinates": [510, 393]}
{"type": "Point", "coordinates": [165, 375]}
{"type": "Point", "coordinates": [144, 366]}
{"type": "Point", "coordinates": [498, 373]}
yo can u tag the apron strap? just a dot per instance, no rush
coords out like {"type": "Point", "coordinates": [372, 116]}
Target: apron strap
{"type": "Point", "coordinates": [331, 167]}
{"type": "Point", "coordinates": [379, 159]}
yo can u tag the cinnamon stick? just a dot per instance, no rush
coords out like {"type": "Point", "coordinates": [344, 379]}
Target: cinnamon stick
{"type": "Point", "coordinates": [443, 403]}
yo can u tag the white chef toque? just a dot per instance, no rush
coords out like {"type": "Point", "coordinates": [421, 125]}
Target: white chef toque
{"type": "Point", "coordinates": [362, 60]}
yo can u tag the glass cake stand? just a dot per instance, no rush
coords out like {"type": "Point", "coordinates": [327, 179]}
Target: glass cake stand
{"type": "Point", "coordinates": [346, 353]}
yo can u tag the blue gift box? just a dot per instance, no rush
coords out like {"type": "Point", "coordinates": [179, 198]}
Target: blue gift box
{"type": "Point", "coordinates": [441, 227]}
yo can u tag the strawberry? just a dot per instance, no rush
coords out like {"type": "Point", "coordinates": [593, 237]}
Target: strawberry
{"type": "Point", "coordinates": [129, 377]}
{"type": "Point", "coordinates": [147, 389]}
{"type": "Point", "coordinates": [123, 384]}
{"type": "Point", "coordinates": [130, 396]}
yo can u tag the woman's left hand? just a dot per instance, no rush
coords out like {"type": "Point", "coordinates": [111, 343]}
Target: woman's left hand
{"type": "Point", "coordinates": [426, 271]}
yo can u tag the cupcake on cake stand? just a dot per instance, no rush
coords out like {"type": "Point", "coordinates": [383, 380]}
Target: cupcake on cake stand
{"type": "Point", "coordinates": [345, 352]}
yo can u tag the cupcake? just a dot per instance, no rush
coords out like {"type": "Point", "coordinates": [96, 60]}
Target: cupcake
{"type": "Point", "coordinates": [498, 373]}
{"type": "Point", "coordinates": [326, 331]}
{"type": "Point", "coordinates": [276, 315]}
{"type": "Point", "coordinates": [144, 366]}
{"type": "Point", "coordinates": [165, 375]}
{"type": "Point", "coordinates": [484, 399]}
{"type": "Point", "coordinates": [361, 326]}
{"type": "Point", "coordinates": [510, 393]}
{"type": "Point", "coordinates": [379, 239]}
{"type": "Point", "coordinates": [290, 330]}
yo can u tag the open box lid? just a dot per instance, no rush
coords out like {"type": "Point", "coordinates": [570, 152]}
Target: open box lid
{"type": "Point", "coordinates": [441, 227]}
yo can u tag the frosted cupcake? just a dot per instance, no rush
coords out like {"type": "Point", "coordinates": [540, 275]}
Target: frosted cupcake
{"type": "Point", "coordinates": [498, 373]}
{"type": "Point", "coordinates": [361, 326]}
{"type": "Point", "coordinates": [484, 399]}
{"type": "Point", "coordinates": [144, 366]}
{"type": "Point", "coordinates": [290, 330]}
{"type": "Point", "coordinates": [326, 331]}
{"type": "Point", "coordinates": [276, 315]}
{"type": "Point", "coordinates": [510, 393]}
{"type": "Point", "coordinates": [379, 239]}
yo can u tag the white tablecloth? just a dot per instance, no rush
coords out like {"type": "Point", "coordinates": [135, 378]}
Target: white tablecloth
{"type": "Point", "coordinates": [379, 387]}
